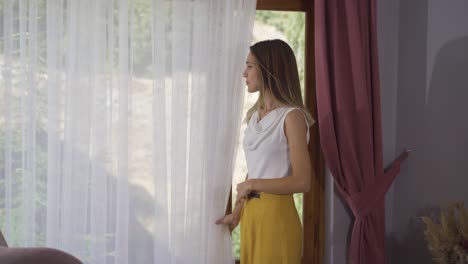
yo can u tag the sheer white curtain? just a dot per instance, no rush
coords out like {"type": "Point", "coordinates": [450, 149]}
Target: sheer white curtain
{"type": "Point", "coordinates": [118, 125]}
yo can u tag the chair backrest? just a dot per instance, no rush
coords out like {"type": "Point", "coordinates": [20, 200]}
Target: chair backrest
{"type": "Point", "coordinates": [3, 242]}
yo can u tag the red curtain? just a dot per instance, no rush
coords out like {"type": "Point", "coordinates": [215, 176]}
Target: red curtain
{"type": "Point", "coordinates": [348, 101]}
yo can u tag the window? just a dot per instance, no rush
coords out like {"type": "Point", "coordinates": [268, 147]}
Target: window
{"type": "Point", "coordinates": [311, 204]}
{"type": "Point", "coordinates": [288, 26]}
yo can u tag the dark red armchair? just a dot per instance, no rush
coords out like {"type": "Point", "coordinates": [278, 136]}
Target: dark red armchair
{"type": "Point", "coordinates": [33, 255]}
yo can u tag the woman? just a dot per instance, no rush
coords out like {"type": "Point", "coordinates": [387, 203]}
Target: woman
{"type": "Point", "coordinates": [278, 163]}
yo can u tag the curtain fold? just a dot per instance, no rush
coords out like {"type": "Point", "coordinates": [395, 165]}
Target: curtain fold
{"type": "Point", "coordinates": [119, 124]}
{"type": "Point", "coordinates": [348, 102]}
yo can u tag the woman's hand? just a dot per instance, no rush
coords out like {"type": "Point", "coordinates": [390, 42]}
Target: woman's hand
{"type": "Point", "coordinates": [243, 189]}
{"type": "Point", "coordinates": [231, 220]}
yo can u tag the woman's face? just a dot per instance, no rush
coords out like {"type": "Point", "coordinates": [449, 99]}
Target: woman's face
{"type": "Point", "coordinates": [250, 73]}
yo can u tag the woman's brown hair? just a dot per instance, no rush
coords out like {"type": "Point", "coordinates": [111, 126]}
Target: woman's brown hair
{"type": "Point", "coordinates": [278, 76]}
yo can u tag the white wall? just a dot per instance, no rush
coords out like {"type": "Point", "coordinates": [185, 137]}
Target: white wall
{"type": "Point", "coordinates": [388, 37]}
{"type": "Point", "coordinates": [432, 118]}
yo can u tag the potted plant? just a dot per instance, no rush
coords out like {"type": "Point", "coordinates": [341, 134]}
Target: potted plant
{"type": "Point", "coordinates": [447, 237]}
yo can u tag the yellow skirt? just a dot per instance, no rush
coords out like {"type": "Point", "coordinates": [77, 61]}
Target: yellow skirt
{"type": "Point", "coordinates": [271, 232]}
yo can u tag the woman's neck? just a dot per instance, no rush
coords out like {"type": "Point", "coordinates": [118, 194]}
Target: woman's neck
{"type": "Point", "coordinates": [269, 103]}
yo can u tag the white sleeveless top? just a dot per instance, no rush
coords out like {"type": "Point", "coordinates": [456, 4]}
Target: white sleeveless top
{"type": "Point", "coordinates": [266, 147]}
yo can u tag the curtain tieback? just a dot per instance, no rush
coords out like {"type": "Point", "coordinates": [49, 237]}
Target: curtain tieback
{"type": "Point", "coordinates": [364, 202]}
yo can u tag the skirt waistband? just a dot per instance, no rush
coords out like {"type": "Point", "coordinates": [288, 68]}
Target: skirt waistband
{"type": "Point", "coordinates": [269, 196]}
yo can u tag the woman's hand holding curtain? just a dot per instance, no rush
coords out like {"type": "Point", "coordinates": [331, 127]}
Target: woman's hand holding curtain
{"type": "Point", "coordinates": [232, 219]}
